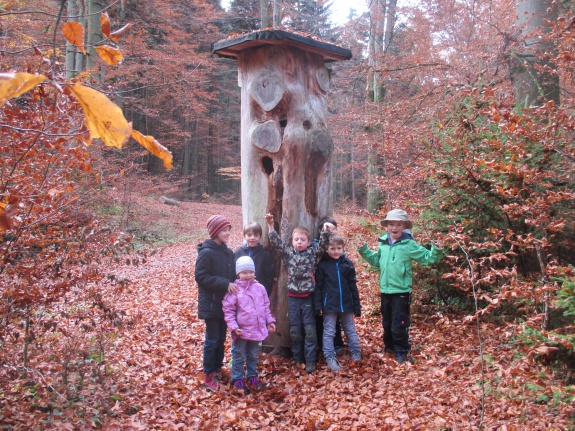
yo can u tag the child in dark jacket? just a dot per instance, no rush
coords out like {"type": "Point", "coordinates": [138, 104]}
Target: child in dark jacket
{"type": "Point", "coordinates": [301, 259]}
{"type": "Point", "coordinates": [336, 296]}
{"type": "Point", "coordinates": [261, 257]}
{"type": "Point", "coordinates": [215, 273]}
{"type": "Point", "coordinates": [247, 314]}
{"type": "Point", "coordinates": [338, 339]}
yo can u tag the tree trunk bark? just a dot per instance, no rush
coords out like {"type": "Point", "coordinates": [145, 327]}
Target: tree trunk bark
{"type": "Point", "coordinates": [534, 79]}
{"type": "Point", "coordinates": [94, 35]}
{"type": "Point", "coordinates": [265, 19]}
{"type": "Point", "coordinates": [276, 14]}
{"type": "Point", "coordinates": [376, 94]}
{"type": "Point", "coordinates": [70, 48]}
{"type": "Point", "coordinates": [286, 148]}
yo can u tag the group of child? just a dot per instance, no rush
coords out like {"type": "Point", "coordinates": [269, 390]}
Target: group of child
{"type": "Point", "coordinates": [234, 290]}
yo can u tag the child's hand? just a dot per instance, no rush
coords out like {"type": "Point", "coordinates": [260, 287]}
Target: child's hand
{"type": "Point", "coordinates": [271, 327]}
{"type": "Point", "coordinates": [439, 242]}
{"type": "Point", "coordinates": [328, 227]}
{"type": "Point", "coordinates": [238, 331]}
{"type": "Point", "coordinates": [270, 220]}
{"type": "Point", "coordinates": [232, 288]}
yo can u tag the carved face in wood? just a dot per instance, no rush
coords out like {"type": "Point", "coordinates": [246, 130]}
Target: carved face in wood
{"type": "Point", "coordinates": [286, 115]}
{"type": "Point", "coordinates": [288, 100]}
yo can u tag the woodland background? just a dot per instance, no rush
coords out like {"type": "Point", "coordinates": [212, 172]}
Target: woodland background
{"type": "Point", "coordinates": [460, 112]}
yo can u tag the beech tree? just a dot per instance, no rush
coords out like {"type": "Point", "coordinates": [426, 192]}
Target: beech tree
{"type": "Point", "coordinates": [536, 79]}
{"type": "Point", "coordinates": [382, 23]}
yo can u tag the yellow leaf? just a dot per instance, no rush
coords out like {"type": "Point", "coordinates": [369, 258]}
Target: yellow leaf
{"type": "Point", "coordinates": [104, 118]}
{"type": "Point", "coordinates": [116, 35]}
{"type": "Point", "coordinates": [14, 84]}
{"type": "Point", "coordinates": [154, 147]}
{"type": "Point", "coordinates": [105, 24]}
{"type": "Point", "coordinates": [74, 32]}
{"type": "Point", "coordinates": [109, 54]}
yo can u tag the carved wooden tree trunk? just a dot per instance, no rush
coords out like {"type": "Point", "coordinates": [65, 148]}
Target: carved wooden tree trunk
{"type": "Point", "coordinates": [286, 148]}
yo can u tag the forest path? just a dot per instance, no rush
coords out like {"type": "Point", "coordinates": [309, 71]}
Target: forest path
{"type": "Point", "coordinates": [160, 377]}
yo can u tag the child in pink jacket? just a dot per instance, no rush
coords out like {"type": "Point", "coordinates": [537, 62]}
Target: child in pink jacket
{"type": "Point", "coordinates": [247, 314]}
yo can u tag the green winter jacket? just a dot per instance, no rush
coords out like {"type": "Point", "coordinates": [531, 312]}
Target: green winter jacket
{"type": "Point", "coordinates": [394, 262]}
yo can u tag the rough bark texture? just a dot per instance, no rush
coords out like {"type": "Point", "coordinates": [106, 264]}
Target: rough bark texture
{"type": "Point", "coordinates": [276, 14]}
{"type": "Point", "coordinates": [94, 35]}
{"type": "Point", "coordinates": [534, 77]}
{"type": "Point", "coordinates": [286, 148]}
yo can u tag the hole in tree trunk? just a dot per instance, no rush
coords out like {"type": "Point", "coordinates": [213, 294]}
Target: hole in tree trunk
{"type": "Point", "coordinates": [267, 165]}
{"type": "Point", "coordinates": [312, 171]}
{"type": "Point", "coordinates": [306, 125]}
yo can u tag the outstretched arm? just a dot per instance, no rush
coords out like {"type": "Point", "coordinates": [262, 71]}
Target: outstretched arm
{"type": "Point", "coordinates": [372, 257]}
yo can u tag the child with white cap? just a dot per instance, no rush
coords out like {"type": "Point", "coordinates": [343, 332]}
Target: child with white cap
{"type": "Point", "coordinates": [247, 314]}
{"type": "Point", "coordinates": [395, 253]}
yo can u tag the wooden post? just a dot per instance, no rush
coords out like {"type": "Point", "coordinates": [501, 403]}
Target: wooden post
{"type": "Point", "coordinates": [286, 147]}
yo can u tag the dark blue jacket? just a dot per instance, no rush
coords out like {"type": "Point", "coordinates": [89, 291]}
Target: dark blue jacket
{"type": "Point", "coordinates": [215, 270]}
{"type": "Point", "coordinates": [336, 287]}
{"type": "Point", "coordinates": [263, 262]}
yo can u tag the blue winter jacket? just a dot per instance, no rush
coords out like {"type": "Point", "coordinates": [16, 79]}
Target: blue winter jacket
{"type": "Point", "coordinates": [336, 287]}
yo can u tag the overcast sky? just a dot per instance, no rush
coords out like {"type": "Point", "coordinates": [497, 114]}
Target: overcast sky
{"type": "Point", "coordinates": [340, 9]}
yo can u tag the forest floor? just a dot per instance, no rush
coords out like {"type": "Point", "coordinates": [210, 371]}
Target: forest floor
{"type": "Point", "coordinates": [155, 363]}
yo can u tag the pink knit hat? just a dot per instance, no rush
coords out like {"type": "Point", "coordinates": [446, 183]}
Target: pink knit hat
{"type": "Point", "coordinates": [216, 224]}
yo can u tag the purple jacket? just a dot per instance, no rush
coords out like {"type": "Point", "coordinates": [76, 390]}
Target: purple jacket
{"type": "Point", "coordinates": [249, 310]}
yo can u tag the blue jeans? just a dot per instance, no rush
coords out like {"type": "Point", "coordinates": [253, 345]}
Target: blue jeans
{"type": "Point", "coordinates": [302, 330]}
{"type": "Point", "coordinates": [245, 351]}
{"type": "Point", "coordinates": [329, 322]}
{"type": "Point", "coordinates": [214, 341]}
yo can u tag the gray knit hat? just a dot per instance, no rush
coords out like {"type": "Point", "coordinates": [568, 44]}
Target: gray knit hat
{"type": "Point", "coordinates": [397, 215]}
{"type": "Point", "coordinates": [245, 263]}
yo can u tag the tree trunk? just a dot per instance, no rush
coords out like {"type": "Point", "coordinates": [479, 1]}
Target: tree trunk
{"type": "Point", "coordinates": [265, 18]}
{"type": "Point", "coordinates": [534, 78]}
{"type": "Point", "coordinates": [94, 35]}
{"type": "Point", "coordinates": [286, 148]}
{"type": "Point", "coordinates": [376, 93]}
{"type": "Point", "coordinates": [382, 14]}
{"type": "Point", "coordinates": [70, 48]}
{"type": "Point", "coordinates": [276, 15]}
{"type": "Point", "coordinates": [81, 12]}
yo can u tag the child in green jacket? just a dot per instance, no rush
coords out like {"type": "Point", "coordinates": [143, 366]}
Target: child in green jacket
{"type": "Point", "coordinates": [394, 257]}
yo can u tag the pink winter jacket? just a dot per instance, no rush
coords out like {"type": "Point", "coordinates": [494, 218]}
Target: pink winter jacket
{"type": "Point", "coordinates": [249, 310]}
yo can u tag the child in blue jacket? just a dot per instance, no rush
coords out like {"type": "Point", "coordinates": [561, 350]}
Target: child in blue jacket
{"type": "Point", "coordinates": [336, 296]}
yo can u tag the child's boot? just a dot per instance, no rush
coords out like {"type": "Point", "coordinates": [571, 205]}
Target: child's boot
{"type": "Point", "coordinates": [240, 387]}
{"type": "Point", "coordinates": [211, 382]}
{"type": "Point", "coordinates": [401, 357]}
{"type": "Point", "coordinates": [310, 367]}
{"type": "Point", "coordinates": [254, 383]}
{"type": "Point", "coordinates": [333, 364]}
